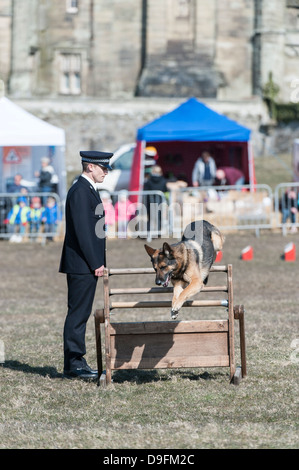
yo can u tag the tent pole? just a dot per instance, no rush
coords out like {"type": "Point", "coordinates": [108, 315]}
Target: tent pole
{"type": "Point", "coordinates": [251, 166]}
{"type": "Point", "coordinates": [141, 176]}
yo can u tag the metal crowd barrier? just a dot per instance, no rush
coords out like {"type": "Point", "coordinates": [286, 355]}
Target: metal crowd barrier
{"type": "Point", "coordinates": [26, 229]}
{"type": "Point", "coordinates": [155, 214]}
{"type": "Point", "coordinates": [146, 215]}
{"type": "Point", "coordinates": [286, 199]}
{"type": "Point", "coordinates": [230, 208]}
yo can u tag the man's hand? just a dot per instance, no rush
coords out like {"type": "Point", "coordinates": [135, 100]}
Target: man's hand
{"type": "Point", "coordinates": [99, 271]}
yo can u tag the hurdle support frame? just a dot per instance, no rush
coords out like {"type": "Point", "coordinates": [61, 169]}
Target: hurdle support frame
{"type": "Point", "coordinates": [168, 344]}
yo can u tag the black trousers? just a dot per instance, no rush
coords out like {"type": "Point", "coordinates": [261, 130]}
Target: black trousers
{"type": "Point", "coordinates": [81, 292]}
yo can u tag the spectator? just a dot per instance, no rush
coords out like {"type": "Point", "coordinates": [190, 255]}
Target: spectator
{"type": "Point", "coordinates": [109, 212]}
{"type": "Point", "coordinates": [289, 208]}
{"type": "Point", "coordinates": [124, 211]}
{"type": "Point", "coordinates": [18, 219]}
{"type": "Point", "coordinates": [6, 203]}
{"type": "Point", "coordinates": [17, 186]}
{"type": "Point", "coordinates": [156, 182]}
{"type": "Point", "coordinates": [51, 217]}
{"type": "Point", "coordinates": [35, 215]}
{"type": "Point", "coordinates": [230, 176]}
{"type": "Point", "coordinates": [150, 157]}
{"type": "Point", "coordinates": [47, 177]}
{"type": "Point", "coordinates": [204, 170]}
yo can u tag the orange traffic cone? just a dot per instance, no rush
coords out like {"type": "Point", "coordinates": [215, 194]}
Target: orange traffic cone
{"type": "Point", "coordinates": [218, 256]}
{"type": "Point", "coordinates": [290, 252]}
{"type": "Point", "coordinates": [247, 253]}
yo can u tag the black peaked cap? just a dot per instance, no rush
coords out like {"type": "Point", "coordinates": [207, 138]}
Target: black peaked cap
{"type": "Point", "coordinates": [98, 158]}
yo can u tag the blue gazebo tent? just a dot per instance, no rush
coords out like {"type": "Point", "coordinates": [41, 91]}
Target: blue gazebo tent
{"type": "Point", "coordinates": [180, 137]}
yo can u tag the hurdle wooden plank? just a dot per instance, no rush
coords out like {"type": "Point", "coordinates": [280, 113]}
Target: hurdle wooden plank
{"type": "Point", "coordinates": [169, 344]}
{"type": "Point", "coordinates": [162, 327]}
{"type": "Point", "coordinates": [99, 318]}
{"type": "Point", "coordinates": [239, 315]}
{"type": "Point", "coordinates": [107, 323]}
{"type": "Point", "coordinates": [119, 271]}
{"type": "Point", "coordinates": [173, 348]}
{"type": "Point", "coordinates": [161, 290]}
{"type": "Point", "coordinates": [231, 334]}
{"type": "Point", "coordinates": [167, 303]}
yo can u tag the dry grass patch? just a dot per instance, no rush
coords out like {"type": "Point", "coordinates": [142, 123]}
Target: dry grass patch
{"type": "Point", "coordinates": [183, 409]}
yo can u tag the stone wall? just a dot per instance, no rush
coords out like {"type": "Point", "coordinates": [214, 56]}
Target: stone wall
{"type": "Point", "coordinates": [176, 48]}
{"type": "Point", "coordinates": [5, 39]}
{"type": "Point", "coordinates": [107, 124]}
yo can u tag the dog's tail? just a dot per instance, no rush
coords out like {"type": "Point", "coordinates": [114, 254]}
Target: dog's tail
{"type": "Point", "coordinates": [217, 238]}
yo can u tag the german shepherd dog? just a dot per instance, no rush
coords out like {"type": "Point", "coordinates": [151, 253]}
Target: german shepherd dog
{"type": "Point", "coordinates": [188, 262]}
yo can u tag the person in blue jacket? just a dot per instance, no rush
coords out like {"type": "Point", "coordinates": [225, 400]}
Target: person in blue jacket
{"type": "Point", "coordinates": [35, 215]}
{"type": "Point", "coordinates": [51, 217]}
{"type": "Point", "coordinates": [18, 216]}
{"type": "Point", "coordinates": [83, 258]}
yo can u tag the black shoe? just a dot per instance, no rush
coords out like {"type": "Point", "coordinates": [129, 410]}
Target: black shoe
{"type": "Point", "coordinates": [93, 371]}
{"type": "Point", "coordinates": [85, 373]}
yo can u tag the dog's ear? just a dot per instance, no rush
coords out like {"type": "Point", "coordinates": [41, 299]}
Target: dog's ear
{"type": "Point", "coordinates": [150, 251]}
{"type": "Point", "coordinates": [167, 250]}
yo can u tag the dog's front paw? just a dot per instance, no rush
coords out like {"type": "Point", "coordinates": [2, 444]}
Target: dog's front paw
{"type": "Point", "coordinates": [174, 314]}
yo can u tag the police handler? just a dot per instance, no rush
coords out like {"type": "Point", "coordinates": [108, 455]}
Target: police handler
{"type": "Point", "coordinates": [83, 258]}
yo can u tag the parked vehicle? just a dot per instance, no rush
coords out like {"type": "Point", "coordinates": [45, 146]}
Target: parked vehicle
{"type": "Point", "coordinates": [119, 178]}
{"type": "Point", "coordinates": [121, 162]}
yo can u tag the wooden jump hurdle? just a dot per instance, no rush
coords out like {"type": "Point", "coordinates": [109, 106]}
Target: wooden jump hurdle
{"type": "Point", "coordinates": [169, 344]}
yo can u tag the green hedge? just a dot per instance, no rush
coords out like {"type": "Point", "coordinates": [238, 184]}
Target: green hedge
{"type": "Point", "coordinates": [286, 112]}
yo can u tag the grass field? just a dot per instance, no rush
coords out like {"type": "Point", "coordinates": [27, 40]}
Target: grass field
{"type": "Point", "coordinates": [165, 409]}
{"type": "Point", "coordinates": [182, 409]}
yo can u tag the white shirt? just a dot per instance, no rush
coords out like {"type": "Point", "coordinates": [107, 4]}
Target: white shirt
{"type": "Point", "coordinates": [93, 184]}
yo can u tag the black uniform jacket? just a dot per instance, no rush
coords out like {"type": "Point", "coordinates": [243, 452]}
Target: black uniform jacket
{"type": "Point", "coordinates": [84, 244]}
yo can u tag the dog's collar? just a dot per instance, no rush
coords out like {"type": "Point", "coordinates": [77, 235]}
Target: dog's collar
{"type": "Point", "coordinates": [179, 273]}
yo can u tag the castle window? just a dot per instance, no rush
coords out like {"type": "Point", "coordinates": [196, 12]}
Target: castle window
{"type": "Point", "coordinates": [70, 74]}
{"type": "Point", "coordinates": [72, 6]}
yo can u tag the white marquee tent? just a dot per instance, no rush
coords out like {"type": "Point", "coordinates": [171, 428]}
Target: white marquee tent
{"type": "Point", "coordinates": [24, 140]}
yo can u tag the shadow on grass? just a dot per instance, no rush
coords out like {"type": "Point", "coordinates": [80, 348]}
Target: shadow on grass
{"type": "Point", "coordinates": [141, 376]}
{"type": "Point", "coordinates": [147, 376]}
{"type": "Point", "coordinates": [46, 371]}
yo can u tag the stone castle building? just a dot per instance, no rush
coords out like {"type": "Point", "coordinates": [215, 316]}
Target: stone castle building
{"type": "Point", "coordinates": [87, 50]}
{"type": "Point", "coordinates": [123, 48]}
